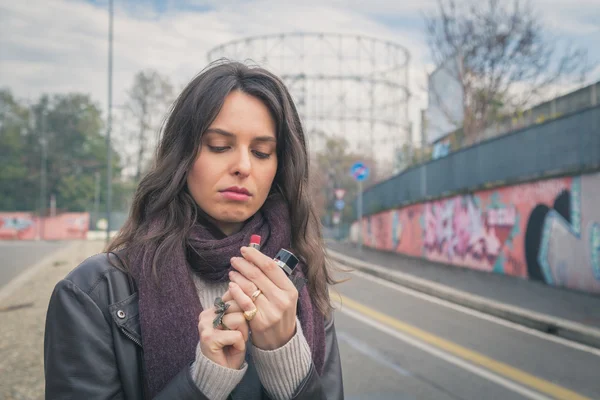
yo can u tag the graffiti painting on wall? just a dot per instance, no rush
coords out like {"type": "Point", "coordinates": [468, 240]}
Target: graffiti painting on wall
{"type": "Point", "coordinates": [562, 243]}
{"type": "Point", "coordinates": [16, 226]}
{"type": "Point", "coordinates": [546, 230]}
{"type": "Point", "coordinates": [463, 231]}
{"type": "Point", "coordinates": [26, 226]}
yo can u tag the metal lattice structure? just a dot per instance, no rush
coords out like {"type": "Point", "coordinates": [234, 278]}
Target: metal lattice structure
{"type": "Point", "coordinates": [343, 85]}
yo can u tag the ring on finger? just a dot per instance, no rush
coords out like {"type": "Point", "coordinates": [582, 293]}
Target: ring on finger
{"type": "Point", "coordinates": [255, 295]}
{"type": "Point", "coordinates": [249, 315]}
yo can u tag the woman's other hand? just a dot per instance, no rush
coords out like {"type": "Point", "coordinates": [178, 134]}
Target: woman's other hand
{"type": "Point", "coordinates": [226, 347]}
{"type": "Point", "coordinates": [275, 321]}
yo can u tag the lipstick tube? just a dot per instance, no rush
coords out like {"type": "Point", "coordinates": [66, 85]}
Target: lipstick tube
{"type": "Point", "coordinates": [255, 242]}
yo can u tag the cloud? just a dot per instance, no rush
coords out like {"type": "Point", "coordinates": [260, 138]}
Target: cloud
{"type": "Point", "coordinates": [595, 74]}
{"type": "Point", "coordinates": [381, 7]}
{"type": "Point", "coordinates": [62, 46]}
{"type": "Point", "coordinates": [73, 52]}
{"type": "Point", "coordinates": [42, 55]}
{"type": "Point", "coordinates": [569, 17]}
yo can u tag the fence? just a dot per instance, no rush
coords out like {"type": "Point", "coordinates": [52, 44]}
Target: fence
{"type": "Point", "coordinates": [583, 98]}
{"type": "Point", "coordinates": [560, 146]}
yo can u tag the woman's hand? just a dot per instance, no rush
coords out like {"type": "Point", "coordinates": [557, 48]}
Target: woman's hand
{"type": "Point", "coordinates": [275, 321]}
{"type": "Point", "coordinates": [224, 347]}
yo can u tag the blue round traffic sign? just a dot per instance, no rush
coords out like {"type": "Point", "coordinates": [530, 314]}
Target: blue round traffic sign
{"type": "Point", "coordinates": [339, 204]}
{"type": "Point", "coordinates": [359, 171]}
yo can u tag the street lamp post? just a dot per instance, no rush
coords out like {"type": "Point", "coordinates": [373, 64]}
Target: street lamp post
{"type": "Point", "coordinates": [44, 144]}
{"type": "Point", "coordinates": [96, 198]}
{"type": "Point", "coordinates": [109, 122]}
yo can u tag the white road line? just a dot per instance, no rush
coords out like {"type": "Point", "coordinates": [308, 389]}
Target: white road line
{"type": "Point", "coordinates": [371, 352]}
{"type": "Point", "coordinates": [510, 385]}
{"type": "Point", "coordinates": [479, 314]}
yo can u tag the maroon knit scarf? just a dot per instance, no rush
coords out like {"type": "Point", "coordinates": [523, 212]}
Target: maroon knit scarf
{"type": "Point", "coordinates": [169, 312]}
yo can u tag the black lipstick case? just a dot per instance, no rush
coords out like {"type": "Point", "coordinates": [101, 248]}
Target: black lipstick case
{"type": "Point", "coordinates": [286, 260]}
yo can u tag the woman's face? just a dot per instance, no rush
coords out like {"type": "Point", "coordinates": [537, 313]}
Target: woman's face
{"type": "Point", "coordinates": [236, 164]}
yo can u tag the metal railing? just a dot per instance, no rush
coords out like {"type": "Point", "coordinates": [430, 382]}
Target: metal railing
{"type": "Point", "coordinates": [588, 96]}
{"type": "Point", "coordinates": [564, 145]}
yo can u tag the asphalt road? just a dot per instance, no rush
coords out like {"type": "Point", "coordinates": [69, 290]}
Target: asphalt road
{"type": "Point", "coordinates": [403, 345]}
{"type": "Point", "coordinates": [399, 344]}
{"type": "Point", "coordinates": [16, 256]}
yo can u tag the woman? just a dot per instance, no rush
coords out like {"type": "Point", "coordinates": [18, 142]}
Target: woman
{"type": "Point", "coordinates": [144, 320]}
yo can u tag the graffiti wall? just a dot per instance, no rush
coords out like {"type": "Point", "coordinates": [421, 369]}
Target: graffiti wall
{"type": "Point", "coordinates": [26, 226]}
{"type": "Point", "coordinates": [547, 230]}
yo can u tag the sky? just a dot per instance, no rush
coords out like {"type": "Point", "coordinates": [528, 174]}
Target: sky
{"type": "Point", "coordinates": [60, 46]}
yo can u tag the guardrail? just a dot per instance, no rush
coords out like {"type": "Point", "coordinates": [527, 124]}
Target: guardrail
{"type": "Point", "coordinates": [566, 145]}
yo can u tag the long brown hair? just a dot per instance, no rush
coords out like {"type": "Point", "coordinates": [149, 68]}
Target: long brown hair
{"type": "Point", "coordinates": [163, 190]}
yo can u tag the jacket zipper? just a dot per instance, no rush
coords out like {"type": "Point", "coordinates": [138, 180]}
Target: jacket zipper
{"type": "Point", "coordinates": [134, 340]}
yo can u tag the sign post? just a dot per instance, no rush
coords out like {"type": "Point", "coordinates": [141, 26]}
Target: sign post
{"type": "Point", "coordinates": [339, 193]}
{"type": "Point", "coordinates": [339, 206]}
{"type": "Point", "coordinates": [360, 172]}
{"type": "Point", "coordinates": [360, 210]}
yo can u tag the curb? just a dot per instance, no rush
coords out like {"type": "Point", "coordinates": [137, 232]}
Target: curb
{"type": "Point", "coordinates": [542, 322]}
{"type": "Point", "coordinates": [19, 280]}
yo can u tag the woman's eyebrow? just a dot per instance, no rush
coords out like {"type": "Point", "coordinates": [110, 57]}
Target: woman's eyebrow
{"type": "Point", "coordinates": [220, 132]}
{"type": "Point", "coordinates": [265, 139]}
{"type": "Point", "coordinates": [229, 134]}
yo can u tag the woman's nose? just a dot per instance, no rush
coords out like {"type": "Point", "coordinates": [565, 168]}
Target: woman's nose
{"type": "Point", "coordinates": [243, 163]}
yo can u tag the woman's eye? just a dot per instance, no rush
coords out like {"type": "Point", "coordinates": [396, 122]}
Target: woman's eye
{"type": "Point", "coordinates": [218, 149]}
{"type": "Point", "coordinates": [262, 156]}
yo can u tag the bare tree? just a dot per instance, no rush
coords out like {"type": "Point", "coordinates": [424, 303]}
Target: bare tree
{"type": "Point", "coordinates": [501, 56]}
{"type": "Point", "coordinates": [147, 103]}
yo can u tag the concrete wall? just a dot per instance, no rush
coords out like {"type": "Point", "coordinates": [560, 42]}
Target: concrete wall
{"type": "Point", "coordinates": [547, 230]}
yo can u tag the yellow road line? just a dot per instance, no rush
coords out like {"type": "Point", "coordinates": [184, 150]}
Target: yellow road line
{"type": "Point", "coordinates": [498, 367]}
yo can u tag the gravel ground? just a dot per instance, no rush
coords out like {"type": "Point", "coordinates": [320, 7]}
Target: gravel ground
{"type": "Point", "coordinates": [22, 320]}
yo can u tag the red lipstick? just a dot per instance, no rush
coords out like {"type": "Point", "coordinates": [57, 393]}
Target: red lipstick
{"type": "Point", "coordinates": [255, 241]}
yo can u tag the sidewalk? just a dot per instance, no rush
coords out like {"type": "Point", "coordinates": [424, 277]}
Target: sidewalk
{"type": "Point", "coordinates": [525, 297]}
{"type": "Point", "coordinates": [22, 321]}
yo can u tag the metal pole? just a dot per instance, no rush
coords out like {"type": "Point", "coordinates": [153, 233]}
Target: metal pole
{"type": "Point", "coordinates": [423, 144]}
{"type": "Point", "coordinates": [53, 205]}
{"type": "Point", "coordinates": [360, 213]}
{"type": "Point", "coordinates": [407, 113]}
{"type": "Point", "coordinates": [109, 121]}
{"type": "Point", "coordinates": [43, 177]}
{"type": "Point", "coordinates": [97, 198]}
{"type": "Point", "coordinates": [32, 125]}
{"type": "Point", "coordinates": [423, 133]}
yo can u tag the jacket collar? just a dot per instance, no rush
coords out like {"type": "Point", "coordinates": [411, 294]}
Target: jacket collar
{"type": "Point", "coordinates": [125, 315]}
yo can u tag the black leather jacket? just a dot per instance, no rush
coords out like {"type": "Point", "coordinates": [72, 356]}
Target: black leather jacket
{"type": "Point", "coordinates": [93, 346]}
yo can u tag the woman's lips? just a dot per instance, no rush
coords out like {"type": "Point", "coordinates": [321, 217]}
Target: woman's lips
{"type": "Point", "coordinates": [235, 196]}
